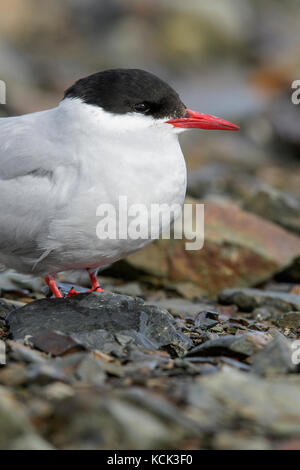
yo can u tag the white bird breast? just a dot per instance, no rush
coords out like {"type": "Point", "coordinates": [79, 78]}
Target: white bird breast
{"type": "Point", "coordinates": [94, 158]}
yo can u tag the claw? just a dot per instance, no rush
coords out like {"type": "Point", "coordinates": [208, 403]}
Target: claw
{"type": "Point", "coordinates": [72, 292]}
{"type": "Point", "coordinates": [96, 289]}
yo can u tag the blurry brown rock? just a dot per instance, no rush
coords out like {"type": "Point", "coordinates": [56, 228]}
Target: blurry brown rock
{"type": "Point", "coordinates": [240, 250]}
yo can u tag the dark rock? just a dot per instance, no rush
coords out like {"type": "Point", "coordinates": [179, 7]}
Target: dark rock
{"type": "Point", "coordinates": [239, 346]}
{"type": "Point", "coordinates": [103, 340]}
{"type": "Point", "coordinates": [250, 299]}
{"type": "Point", "coordinates": [207, 320]}
{"type": "Point", "coordinates": [55, 343]}
{"type": "Point", "coordinates": [275, 358]}
{"type": "Point", "coordinates": [149, 326]}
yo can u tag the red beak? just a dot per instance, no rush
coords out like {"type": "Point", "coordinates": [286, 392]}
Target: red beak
{"type": "Point", "coordinates": [194, 120]}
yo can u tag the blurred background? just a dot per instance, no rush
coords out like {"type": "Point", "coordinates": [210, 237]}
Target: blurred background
{"type": "Point", "coordinates": [229, 58]}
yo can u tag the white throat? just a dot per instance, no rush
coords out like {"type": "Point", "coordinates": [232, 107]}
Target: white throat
{"type": "Point", "coordinates": [133, 155]}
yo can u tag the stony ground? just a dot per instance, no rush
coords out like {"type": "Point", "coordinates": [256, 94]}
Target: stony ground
{"type": "Point", "coordinates": [112, 370]}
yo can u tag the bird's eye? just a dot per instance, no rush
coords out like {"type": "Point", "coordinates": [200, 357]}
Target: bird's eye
{"type": "Point", "coordinates": [141, 107]}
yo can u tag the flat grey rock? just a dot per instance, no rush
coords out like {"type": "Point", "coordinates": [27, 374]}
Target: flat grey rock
{"type": "Point", "coordinates": [240, 346]}
{"type": "Point", "coordinates": [85, 314]}
{"type": "Point", "coordinates": [183, 307]}
{"type": "Point", "coordinates": [275, 358]}
{"type": "Point", "coordinates": [250, 299]}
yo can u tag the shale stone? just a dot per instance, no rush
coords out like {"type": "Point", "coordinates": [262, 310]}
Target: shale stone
{"type": "Point", "coordinates": [148, 325]}
{"type": "Point", "coordinates": [250, 299]}
{"type": "Point", "coordinates": [275, 358]}
{"type": "Point", "coordinates": [240, 346]}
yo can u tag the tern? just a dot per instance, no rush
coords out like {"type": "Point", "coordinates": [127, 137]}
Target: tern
{"type": "Point", "coordinates": [114, 134]}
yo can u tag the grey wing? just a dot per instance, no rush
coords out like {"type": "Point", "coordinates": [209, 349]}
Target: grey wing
{"type": "Point", "coordinates": [25, 146]}
{"type": "Point", "coordinates": [27, 163]}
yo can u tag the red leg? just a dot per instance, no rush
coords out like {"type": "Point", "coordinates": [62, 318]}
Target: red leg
{"type": "Point", "coordinates": [94, 281]}
{"type": "Point", "coordinates": [50, 280]}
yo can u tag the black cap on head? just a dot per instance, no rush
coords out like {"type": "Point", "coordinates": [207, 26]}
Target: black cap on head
{"type": "Point", "coordinates": [123, 91]}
